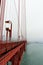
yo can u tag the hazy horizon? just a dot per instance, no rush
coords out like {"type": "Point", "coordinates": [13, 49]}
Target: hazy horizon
{"type": "Point", "coordinates": [34, 19]}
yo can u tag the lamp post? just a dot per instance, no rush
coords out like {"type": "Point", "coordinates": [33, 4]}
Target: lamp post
{"type": "Point", "coordinates": [8, 30]}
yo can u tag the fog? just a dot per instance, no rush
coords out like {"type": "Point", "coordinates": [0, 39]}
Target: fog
{"type": "Point", "coordinates": [34, 20]}
{"type": "Point", "coordinates": [11, 14]}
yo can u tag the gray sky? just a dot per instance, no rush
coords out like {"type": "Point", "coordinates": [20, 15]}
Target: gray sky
{"type": "Point", "coordinates": [11, 13]}
{"type": "Point", "coordinates": [34, 19]}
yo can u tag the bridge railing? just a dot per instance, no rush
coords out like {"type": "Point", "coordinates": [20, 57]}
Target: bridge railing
{"type": "Point", "coordinates": [11, 51]}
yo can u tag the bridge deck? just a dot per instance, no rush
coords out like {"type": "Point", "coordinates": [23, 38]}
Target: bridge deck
{"type": "Point", "coordinates": [10, 49]}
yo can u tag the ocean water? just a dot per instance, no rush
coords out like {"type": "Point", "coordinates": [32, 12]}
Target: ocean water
{"type": "Point", "coordinates": [33, 54]}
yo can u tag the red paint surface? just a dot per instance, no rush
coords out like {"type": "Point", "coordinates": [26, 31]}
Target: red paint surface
{"type": "Point", "coordinates": [11, 51]}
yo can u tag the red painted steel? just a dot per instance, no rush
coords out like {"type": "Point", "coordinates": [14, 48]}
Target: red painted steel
{"type": "Point", "coordinates": [11, 51]}
{"type": "Point", "coordinates": [2, 17]}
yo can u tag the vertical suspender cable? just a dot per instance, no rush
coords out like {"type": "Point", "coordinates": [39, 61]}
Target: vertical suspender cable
{"type": "Point", "coordinates": [15, 7]}
{"type": "Point", "coordinates": [18, 19]}
{"type": "Point", "coordinates": [2, 15]}
{"type": "Point", "coordinates": [18, 15]}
